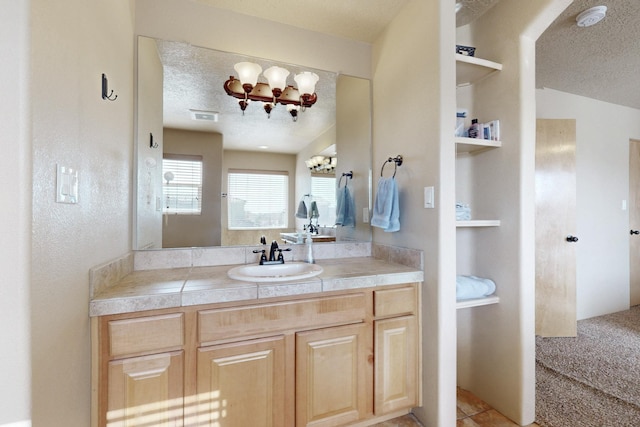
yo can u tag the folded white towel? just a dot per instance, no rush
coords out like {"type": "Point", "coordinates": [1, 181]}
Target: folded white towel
{"type": "Point", "coordinates": [468, 287]}
{"type": "Point", "coordinates": [386, 211]}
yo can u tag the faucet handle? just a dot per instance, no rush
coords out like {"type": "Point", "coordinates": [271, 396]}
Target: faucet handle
{"type": "Point", "coordinates": [263, 256]}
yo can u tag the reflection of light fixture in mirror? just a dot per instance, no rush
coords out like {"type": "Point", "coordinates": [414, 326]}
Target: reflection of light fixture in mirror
{"type": "Point", "coordinates": [322, 164]}
{"type": "Point", "coordinates": [247, 88]}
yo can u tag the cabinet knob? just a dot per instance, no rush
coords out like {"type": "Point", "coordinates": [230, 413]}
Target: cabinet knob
{"type": "Point", "coordinates": [632, 232]}
{"type": "Point", "coordinates": [572, 239]}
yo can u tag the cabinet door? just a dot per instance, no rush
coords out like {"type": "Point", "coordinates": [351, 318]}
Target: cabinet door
{"type": "Point", "coordinates": [146, 390]}
{"type": "Point", "coordinates": [242, 384]}
{"type": "Point", "coordinates": [331, 374]}
{"type": "Point", "coordinates": [396, 364]}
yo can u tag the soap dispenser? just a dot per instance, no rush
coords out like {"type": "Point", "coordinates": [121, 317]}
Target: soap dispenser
{"type": "Point", "coordinates": [309, 258]}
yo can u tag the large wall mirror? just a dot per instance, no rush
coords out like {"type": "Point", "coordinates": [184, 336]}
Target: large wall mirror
{"type": "Point", "coordinates": [192, 137]}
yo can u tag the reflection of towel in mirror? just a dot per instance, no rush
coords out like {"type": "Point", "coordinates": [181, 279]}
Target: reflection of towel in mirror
{"type": "Point", "coordinates": [313, 211]}
{"type": "Point", "coordinates": [345, 208]}
{"type": "Point", "coordinates": [468, 287]}
{"type": "Point", "coordinates": [386, 211]}
{"type": "Point", "coordinates": [302, 210]}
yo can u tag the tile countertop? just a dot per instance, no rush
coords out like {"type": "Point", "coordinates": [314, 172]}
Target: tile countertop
{"type": "Point", "coordinates": [176, 287]}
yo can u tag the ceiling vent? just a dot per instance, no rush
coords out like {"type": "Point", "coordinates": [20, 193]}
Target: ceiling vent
{"type": "Point", "coordinates": [591, 16]}
{"type": "Point", "coordinates": [211, 116]}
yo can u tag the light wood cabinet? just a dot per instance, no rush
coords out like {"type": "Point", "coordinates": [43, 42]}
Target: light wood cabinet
{"type": "Point", "coordinates": [241, 384]}
{"type": "Point", "coordinates": [396, 364]}
{"type": "Point", "coordinates": [146, 390]}
{"type": "Point", "coordinates": [332, 359]}
{"type": "Point", "coordinates": [331, 374]}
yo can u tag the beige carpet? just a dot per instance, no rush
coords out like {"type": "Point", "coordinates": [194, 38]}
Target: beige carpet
{"type": "Point", "coordinates": [593, 379]}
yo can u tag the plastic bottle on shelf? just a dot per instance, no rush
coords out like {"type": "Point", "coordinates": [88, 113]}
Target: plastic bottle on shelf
{"type": "Point", "coordinates": [474, 130]}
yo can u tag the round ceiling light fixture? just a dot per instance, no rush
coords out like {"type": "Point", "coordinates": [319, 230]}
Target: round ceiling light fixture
{"type": "Point", "coordinates": [591, 16]}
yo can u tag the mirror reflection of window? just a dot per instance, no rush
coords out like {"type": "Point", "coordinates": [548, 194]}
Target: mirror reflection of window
{"type": "Point", "coordinates": [323, 189]}
{"type": "Point", "coordinates": [182, 184]}
{"type": "Point", "coordinates": [257, 199]}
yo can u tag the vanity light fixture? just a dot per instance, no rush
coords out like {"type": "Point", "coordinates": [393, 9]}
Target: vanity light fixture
{"type": "Point", "coordinates": [322, 164]}
{"type": "Point", "coordinates": [246, 88]}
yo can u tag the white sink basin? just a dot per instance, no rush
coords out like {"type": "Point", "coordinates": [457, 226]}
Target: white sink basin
{"type": "Point", "coordinates": [274, 272]}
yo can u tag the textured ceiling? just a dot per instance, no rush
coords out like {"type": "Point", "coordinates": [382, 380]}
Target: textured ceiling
{"type": "Point", "coordinates": [472, 9]}
{"type": "Point", "coordinates": [600, 62]}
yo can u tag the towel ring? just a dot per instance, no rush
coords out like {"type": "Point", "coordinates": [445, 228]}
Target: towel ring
{"type": "Point", "coordinates": [349, 176]}
{"type": "Point", "coordinates": [398, 162]}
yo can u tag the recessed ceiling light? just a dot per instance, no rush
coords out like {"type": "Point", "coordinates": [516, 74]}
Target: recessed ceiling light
{"type": "Point", "coordinates": [211, 116]}
{"type": "Point", "coordinates": [591, 16]}
{"type": "Point", "coordinates": [263, 147]}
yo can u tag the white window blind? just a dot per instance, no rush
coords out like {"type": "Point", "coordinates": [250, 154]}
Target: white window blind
{"type": "Point", "coordinates": [323, 190]}
{"type": "Point", "coordinates": [257, 199]}
{"type": "Point", "coordinates": [183, 193]}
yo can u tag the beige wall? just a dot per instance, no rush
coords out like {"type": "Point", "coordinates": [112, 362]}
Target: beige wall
{"type": "Point", "coordinates": [416, 47]}
{"type": "Point", "coordinates": [72, 43]}
{"type": "Point", "coordinates": [15, 219]}
{"type": "Point", "coordinates": [603, 131]}
{"type": "Point", "coordinates": [196, 230]}
{"type": "Point", "coordinates": [236, 159]}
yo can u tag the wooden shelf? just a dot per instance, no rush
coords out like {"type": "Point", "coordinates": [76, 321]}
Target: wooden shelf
{"type": "Point", "coordinates": [470, 69]}
{"type": "Point", "coordinates": [479, 223]}
{"type": "Point", "coordinates": [477, 302]}
{"type": "Point", "coordinates": [475, 145]}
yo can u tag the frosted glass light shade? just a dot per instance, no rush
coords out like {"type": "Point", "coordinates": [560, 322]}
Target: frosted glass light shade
{"type": "Point", "coordinates": [248, 72]}
{"type": "Point", "coordinates": [306, 82]}
{"type": "Point", "coordinates": [277, 77]}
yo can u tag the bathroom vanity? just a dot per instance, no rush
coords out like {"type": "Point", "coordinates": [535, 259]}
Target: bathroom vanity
{"type": "Point", "coordinates": [341, 348]}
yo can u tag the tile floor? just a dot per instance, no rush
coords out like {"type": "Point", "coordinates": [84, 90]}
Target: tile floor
{"type": "Point", "coordinates": [472, 412]}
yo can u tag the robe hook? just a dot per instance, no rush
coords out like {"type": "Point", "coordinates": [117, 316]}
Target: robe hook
{"type": "Point", "coordinates": [105, 89]}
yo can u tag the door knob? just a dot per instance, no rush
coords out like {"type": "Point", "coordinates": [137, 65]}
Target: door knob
{"type": "Point", "coordinates": [634, 232]}
{"type": "Point", "coordinates": [572, 239]}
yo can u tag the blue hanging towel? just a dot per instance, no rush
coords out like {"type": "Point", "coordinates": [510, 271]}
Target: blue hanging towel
{"type": "Point", "coordinates": [386, 211]}
{"type": "Point", "coordinates": [345, 208]}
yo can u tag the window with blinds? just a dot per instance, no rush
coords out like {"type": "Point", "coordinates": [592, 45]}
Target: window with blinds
{"type": "Point", "coordinates": [323, 190]}
{"type": "Point", "coordinates": [182, 184]}
{"type": "Point", "coordinates": [257, 199]}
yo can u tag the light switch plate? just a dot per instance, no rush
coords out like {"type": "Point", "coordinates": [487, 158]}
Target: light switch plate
{"type": "Point", "coordinates": [429, 198]}
{"type": "Point", "coordinates": [66, 184]}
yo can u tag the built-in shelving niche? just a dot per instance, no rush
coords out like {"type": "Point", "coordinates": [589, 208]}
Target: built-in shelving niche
{"type": "Point", "coordinates": [469, 70]}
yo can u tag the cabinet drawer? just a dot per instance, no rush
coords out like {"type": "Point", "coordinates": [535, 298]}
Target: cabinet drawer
{"type": "Point", "coordinates": [224, 324]}
{"type": "Point", "coordinates": [146, 334]}
{"type": "Point", "coordinates": [393, 302]}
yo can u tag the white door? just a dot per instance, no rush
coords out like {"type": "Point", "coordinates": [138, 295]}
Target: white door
{"type": "Point", "coordinates": [555, 227]}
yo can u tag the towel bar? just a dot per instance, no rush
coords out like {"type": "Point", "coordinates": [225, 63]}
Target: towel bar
{"type": "Point", "coordinates": [398, 162]}
{"type": "Point", "coordinates": [349, 176]}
